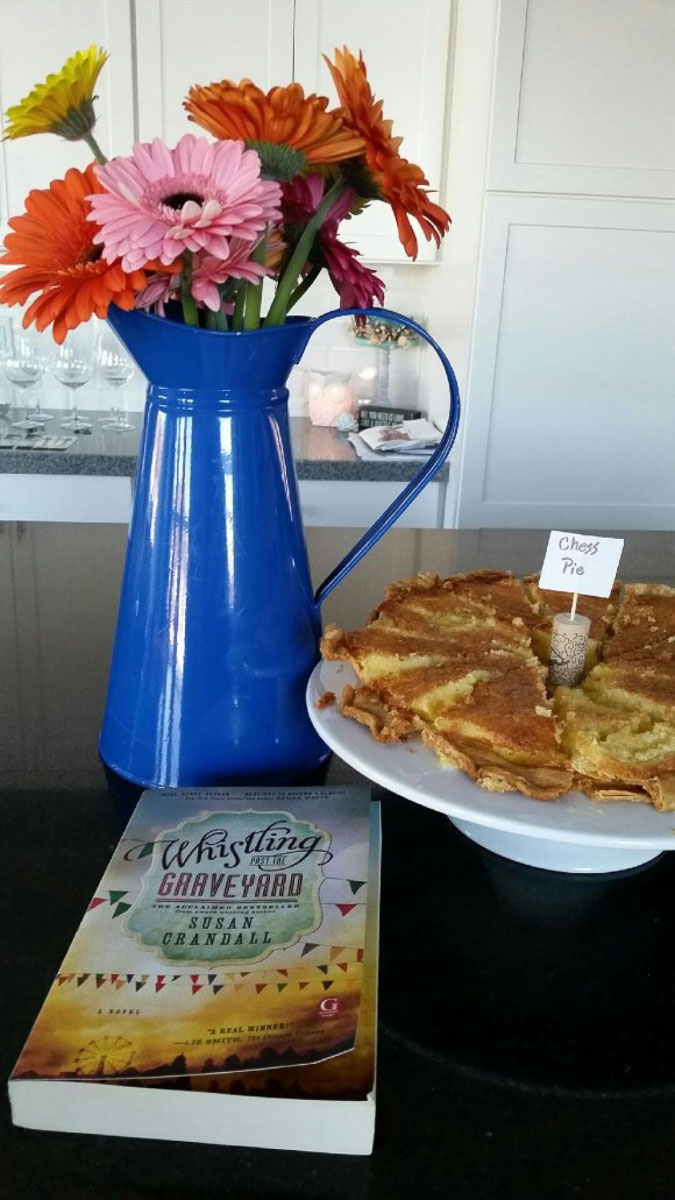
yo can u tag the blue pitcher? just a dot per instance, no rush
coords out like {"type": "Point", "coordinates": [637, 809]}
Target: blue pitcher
{"type": "Point", "coordinates": [218, 627]}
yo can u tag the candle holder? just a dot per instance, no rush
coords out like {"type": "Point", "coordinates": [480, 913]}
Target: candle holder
{"type": "Point", "coordinates": [330, 398]}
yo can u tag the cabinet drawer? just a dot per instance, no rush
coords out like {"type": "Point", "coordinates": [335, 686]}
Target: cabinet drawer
{"type": "Point", "coordinates": [357, 505]}
{"type": "Point", "coordinates": [65, 498]}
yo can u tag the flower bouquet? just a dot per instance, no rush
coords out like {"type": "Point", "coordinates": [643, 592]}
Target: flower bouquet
{"type": "Point", "coordinates": [218, 628]}
{"type": "Point", "coordinates": [203, 223]}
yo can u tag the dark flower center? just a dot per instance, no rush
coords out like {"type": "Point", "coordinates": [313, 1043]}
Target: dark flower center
{"type": "Point", "coordinates": [94, 254]}
{"type": "Point", "coordinates": [178, 199]}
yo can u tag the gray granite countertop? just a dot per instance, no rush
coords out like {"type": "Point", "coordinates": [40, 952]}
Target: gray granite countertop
{"type": "Point", "coordinates": [322, 454]}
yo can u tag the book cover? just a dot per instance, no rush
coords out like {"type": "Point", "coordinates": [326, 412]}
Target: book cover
{"type": "Point", "coordinates": [222, 984]}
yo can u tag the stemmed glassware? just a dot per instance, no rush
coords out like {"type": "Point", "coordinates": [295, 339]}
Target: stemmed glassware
{"type": "Point", "coordinates": [72, 366]}
{"type": "Point", "coordinates": [116, 369]}
{"type": "Point", "coordinates": [24, 364]}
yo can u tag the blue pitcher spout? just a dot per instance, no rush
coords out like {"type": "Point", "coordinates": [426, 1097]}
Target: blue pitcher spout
{"type": "Point", "coordinates": [217, 629]}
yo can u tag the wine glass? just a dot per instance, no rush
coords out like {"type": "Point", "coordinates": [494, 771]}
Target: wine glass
{"type": "Point", "coordinates": [24, 364]}
{"type": "Point", "coordinates": [116, 369]}
{"type": "Point", "coordinates": [72, 366]}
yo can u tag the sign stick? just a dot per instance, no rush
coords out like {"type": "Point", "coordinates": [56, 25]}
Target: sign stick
{"type": "Point", "coordinates": [573, 609]}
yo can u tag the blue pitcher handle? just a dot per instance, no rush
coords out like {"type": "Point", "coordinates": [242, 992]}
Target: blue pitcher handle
{"type": "Point", "coordinates": [426, 472]}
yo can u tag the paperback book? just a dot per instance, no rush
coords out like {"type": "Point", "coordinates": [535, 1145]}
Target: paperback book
{"type": "Point", "coordinates": [222, 984]}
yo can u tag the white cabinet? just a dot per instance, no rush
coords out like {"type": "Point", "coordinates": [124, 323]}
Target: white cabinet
{"type": "Point", "coordinates": [571, 421]}
{"type": "Point", "coordinates": [78, 498]}
{"type": "Point", "coordinates": [357, 505]}
{"type": "Point", "coordinates": [181, 43]}
{"type": "Point", "coordinates": [406, 50]}
{"type": "Point", "coordinates": [275, 41]}
{"type": "Point", "coordinates": [36, 39]}
{"type": "Point", "coordinates": [584, 98]}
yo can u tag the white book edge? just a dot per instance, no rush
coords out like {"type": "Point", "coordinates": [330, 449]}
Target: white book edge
{"type": "Point", "coordinates": [324, 1126]}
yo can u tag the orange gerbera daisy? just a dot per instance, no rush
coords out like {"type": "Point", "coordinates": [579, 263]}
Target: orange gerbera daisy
{"type": "Point", "coordinates": [288, 129]}
{"type": "Point", "coordinates": [52, 244]}
{"type": "Point", "coordinates": [401, 183]}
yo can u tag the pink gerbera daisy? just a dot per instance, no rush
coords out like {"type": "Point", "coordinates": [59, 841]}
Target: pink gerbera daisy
{"type": "Point", "coordinates": [208, 272]}
{"type": "Point", "coordinates": [160, 202]}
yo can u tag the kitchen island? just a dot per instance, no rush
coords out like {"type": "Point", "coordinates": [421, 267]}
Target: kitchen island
{"type": "Point", "coordinates": [525, 1042]}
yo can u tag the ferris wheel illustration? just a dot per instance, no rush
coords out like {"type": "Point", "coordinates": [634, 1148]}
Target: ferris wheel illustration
{"type": "Point", "coordinates": [104, 1056]}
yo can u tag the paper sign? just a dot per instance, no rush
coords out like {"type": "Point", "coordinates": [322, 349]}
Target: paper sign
{"type": "Point", "coordinates": [579, 562]}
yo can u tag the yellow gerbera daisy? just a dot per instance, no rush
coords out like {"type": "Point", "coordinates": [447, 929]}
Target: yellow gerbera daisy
{"type": "Point", "coordinates": [63, 104]}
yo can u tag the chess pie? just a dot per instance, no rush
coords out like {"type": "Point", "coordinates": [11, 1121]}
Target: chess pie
{"type": "Point", "coordinates": [461, 663]}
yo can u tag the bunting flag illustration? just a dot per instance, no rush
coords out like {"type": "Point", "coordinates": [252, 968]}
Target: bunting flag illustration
{"type": "Point", "coordinates": [345, 908]}
{"type": "Point", "coordinates": [308, 947]}
{"type": "Point", "coordinates": [159, 982]}
{"type": "Point", "coordinates": [99, 980]}
{"type": "Point", "coordinates": [141, 982]}
{"type": "Point", "coordinates": [356, 885]}
{"type": "Point", "coordinates": [95, 903]}
{"type": "Point", "coordinates": [336, 951]}
{"type": "Point", "coordinates": [327, 984]}
{"type": "Point", "coordinates": [281, 986]}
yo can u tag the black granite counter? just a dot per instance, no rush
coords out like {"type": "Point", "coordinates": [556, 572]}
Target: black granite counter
{"type": "Point", "coordinates": [321, 454]}
{"type": "Point", "coordinates": [525, 1035]}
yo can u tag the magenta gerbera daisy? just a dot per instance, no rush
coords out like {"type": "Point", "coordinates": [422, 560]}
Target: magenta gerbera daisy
{"type": "Point", "coordinates": [356, 285]}
{"type": "Point", "coordinates": [159, 202]}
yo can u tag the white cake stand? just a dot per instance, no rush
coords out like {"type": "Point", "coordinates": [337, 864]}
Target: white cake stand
{"type": "Point", "coordinates": [573, 834]}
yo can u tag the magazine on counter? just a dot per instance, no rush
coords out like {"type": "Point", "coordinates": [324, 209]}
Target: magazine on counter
{"type": "Point", "coordinates": [408, 437]}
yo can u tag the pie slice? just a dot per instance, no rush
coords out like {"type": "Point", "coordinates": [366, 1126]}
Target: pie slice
{"type": "Point", "coordinates": [645, 625]}
{"type": "Point", "coordinates": [618, 750]}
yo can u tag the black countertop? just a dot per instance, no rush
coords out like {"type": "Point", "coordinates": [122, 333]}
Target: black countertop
{"type": "Point", "coordinates": [525, 1043]}
{"type": "Point", "coordinates": [320, 454]}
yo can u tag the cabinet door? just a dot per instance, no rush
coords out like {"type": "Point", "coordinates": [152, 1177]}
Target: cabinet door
{"type": "Point", "coordinates": [584, 98]}
{"type": "Point", "coordinates": [37, 38]}
{"type": "Point", "coordinates": [570, 422]}
{"type": "Point", "coordinates": [181, 43]}
{"type": "Point", "coordinates": [406, 50]}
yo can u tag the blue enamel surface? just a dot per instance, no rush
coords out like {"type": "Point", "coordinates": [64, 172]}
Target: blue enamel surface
{"type": "Point", "coordinates": [218, 627]}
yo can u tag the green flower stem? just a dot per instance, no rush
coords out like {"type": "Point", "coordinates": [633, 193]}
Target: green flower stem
{"type": "Point", "coordinates": [254, 290]}
{"type": "Point", "coordinates": [288, 281]}
{"type": "Point", "coordinates": [239, 306]}
{"type": "Point", "coordinates": [304, 286]}
{"type": "Point", "coordinates": [94, 147]}
{"type": "Point", "coordinates": [190, 314]}
{"type": "Point", "coordinates": [220, 320]}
